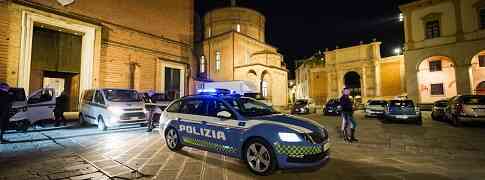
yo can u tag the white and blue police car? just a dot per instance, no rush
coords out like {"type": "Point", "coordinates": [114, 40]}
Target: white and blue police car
{"type": "Point", "coordinates": [247, 129]}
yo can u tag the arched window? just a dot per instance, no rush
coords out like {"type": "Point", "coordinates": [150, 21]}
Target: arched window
{"type": "Point", "coordinates": [264, 88]}
{"type": "Point", "coordinates": [238, 27]}
{"type": "Point", "coordinates": [218, 60]}
{"type": "Point", "coordinates": [202, 64]}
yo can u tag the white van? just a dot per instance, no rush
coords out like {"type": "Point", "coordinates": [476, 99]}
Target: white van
{"type": "Point", "coordinates": [112, 107]}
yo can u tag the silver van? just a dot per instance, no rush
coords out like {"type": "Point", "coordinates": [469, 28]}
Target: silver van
{"type": "Point", "coordinates": [112, 107]}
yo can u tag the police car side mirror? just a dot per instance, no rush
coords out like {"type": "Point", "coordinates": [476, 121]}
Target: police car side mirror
{"type": "Point", "coordinates": [224, 115]}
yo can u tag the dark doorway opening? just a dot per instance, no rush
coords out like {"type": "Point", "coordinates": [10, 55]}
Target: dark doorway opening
{"type": "Point", "coordinates": [172, 83]}
{"type": "Point", "coordinates": [352, 81]}
{"type": "Point", "coordinates": [56, 62]}
{"type": "Point", "coordinates": [480, 90]}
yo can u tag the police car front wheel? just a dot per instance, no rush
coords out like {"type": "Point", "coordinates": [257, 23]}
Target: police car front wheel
{"type": "Point", "coordinates": [260, 158]}
{"type": "Point", "coordinates": [172, 139]}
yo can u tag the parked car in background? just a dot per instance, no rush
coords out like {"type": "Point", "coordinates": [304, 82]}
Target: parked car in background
{"type": "Point", "coordinates": [466, 108]}
{"type": "Point", "coordinates": [112, 107]}
{"type": "Point", "coordinates": [438, 112]}
{"type": "Point", "coordinates": [402, 110]}
{"type": "Point", "coordinates": [375, 108]}
{"type": "Point", "coordinates": [332, 107]}
{"type": "Point", "coordinates": [303, 106]}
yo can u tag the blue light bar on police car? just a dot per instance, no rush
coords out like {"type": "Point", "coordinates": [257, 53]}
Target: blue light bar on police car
{"type": "Point", "coordinates": [214, 91]}
{"type": "Point", "coordinates": [206, 91]}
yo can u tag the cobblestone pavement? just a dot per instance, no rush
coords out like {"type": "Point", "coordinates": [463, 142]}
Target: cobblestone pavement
{"type": "Point", "coordinates": [434, 151]}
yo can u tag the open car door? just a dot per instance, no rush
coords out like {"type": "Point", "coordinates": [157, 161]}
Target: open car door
{"type": "Point", "coordinates": [41, 105]}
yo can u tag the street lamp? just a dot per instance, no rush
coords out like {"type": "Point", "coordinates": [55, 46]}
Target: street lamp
{"type": "Point", "coordinates": [397, 51]}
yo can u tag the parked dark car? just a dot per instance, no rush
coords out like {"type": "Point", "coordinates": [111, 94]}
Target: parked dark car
{"type": "Point", "coordinates": [332, 107]}
{"type": "Point", "coordinates": [438, 112]}
{"type": "Point", "coordinates": [375, 108]}
{"type": "Point", "coordinates": [466, 108]}
{"type": "Point", "coordinates": [402, 110]}
{"type": "Point", "coordinates": [303, 106]}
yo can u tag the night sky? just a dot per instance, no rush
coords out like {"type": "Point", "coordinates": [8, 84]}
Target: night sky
{"type": "Point", "coordinates": [300, 28]}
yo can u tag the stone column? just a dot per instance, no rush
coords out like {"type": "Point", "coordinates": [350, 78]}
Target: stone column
{"type": "Point", "coordinates": [363, 85]}
{"type": "Point", "coordinates": [340, 83]}
{"type": "Point", "coordinates": [402, 71]}
{"type": "Point", "coordinates": [412, 85]}
{"type": "Point", "coordinates": [408, 28]}
{"type": "Point", "coordinates": [377, 75]}
{"type": "Point", "coordinates": [463, 85]}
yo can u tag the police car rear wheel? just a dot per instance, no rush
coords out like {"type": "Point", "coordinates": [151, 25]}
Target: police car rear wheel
{"type": "Point", "coordinates": [260, 157]}
{"type": "Point", "coordinates": [172, 139]}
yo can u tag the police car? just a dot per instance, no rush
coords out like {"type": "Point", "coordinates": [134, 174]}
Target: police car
{"type": "Point", "coordinates": [246, 129]}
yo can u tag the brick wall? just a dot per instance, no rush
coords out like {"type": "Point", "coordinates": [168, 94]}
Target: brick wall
{"type": "Point", "coordinates": [390, 79]}
{"type": "Point", "coordinates": [120, 45]}
{"type": "Point", "coordinates": [168, 18]}
{"type": "Point", "coordinates": [319, 87]}
{"type": "Point", "coordinates": [4, 29]}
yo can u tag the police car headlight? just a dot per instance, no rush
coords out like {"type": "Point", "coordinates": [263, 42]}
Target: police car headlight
{"type": "Point", "coordinates": [289, 137]}
{"type": "Point", "coordinates": [115, 110]}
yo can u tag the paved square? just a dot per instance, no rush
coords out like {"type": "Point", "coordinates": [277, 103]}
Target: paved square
{"type": "Point", "coordinates": [398, 151]}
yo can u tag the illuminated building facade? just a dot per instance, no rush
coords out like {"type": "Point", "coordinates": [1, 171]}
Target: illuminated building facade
{"type": "Point", "coordinates": [445, 48]}
{"type": "Point", "coordinates": [84, 44]}
{"type": "Point", "coordinates": [360, 68]}
{"type": "Point", "coordinates": [234, 48]}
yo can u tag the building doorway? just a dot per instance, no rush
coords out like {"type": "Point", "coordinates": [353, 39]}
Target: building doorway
{"type": "Point", "coordinates": [56, 62]}
{"type": "Point", "coordinates": [172, 83]}
{"type": "Point", "coordinates": [352, 82]}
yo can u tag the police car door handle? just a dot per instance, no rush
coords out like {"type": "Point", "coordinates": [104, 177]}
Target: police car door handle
{"type": "Point", "coordinates": [203, 122]}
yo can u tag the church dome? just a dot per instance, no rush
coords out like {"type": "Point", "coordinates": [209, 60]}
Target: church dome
{"type": "Point", "coordinates": [243, 20]}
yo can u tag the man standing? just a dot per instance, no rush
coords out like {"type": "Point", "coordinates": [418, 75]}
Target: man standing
{"type": "Point", "coordinates": [348, 112]}
{"type": "Point", "coordinates": [5, 107]}
{"type": "Point", "coordinates": [154, 111]}
{"type": "Point", "coordinates": [61, 107]}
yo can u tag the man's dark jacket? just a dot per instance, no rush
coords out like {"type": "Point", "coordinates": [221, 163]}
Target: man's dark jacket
{"type": "Point", "coordinates": [346, 104]}
{"type": "Point", "coordinates": [5, 106]}
{"type": "Point", "coordinates": [62, 104]}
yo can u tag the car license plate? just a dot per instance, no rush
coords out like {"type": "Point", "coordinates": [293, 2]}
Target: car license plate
{"type": "Point", "coordinates": [402, 117]}
{"type": "Point", "coordinates": [326, 147]}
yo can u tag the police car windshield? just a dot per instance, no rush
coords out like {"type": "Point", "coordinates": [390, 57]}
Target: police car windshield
{"type": "Point", "coordinates": [249, 107]}
{"type": "Point", "coordinates": [301, 102]}
{"type": "Point", "coordinates": [118, 95]}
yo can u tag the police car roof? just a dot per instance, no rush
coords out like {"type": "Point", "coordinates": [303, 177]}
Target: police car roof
{"type": "Point", "coordinates": [207, 96]}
